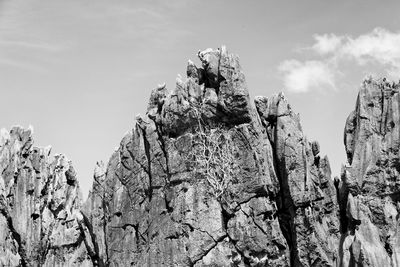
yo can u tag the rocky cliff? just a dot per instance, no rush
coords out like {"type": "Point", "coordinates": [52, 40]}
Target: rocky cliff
{"type": "Point", "coordinates": [209, 178]}
{"type": "Point", "coordinates": [369, 190]}
{"type": "Point", "coordinates": [40, 219]}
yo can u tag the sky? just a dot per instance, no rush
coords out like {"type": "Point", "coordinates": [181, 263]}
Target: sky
{"type": "Point", "coordinates": [80, 71]}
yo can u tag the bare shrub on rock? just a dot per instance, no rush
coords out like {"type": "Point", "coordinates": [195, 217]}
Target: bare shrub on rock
{"type": "Point", "coordinates": [213, 156]}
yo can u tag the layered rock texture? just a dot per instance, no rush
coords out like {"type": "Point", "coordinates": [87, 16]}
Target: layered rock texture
{"type": "Point", "coordinates": [209, 178]}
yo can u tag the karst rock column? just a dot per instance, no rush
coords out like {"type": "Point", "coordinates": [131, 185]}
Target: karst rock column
{"type": "Point", "coordinates": [370, 187]}
{"type": "Point", "coordinates": [158, 207]}
{"type": "Point", "coordinates": [40, 219]}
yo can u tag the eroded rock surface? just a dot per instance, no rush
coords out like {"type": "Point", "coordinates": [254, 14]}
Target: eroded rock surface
{"type": "Point", "coordinates": [369, 192]}
{"type": "Point", "coordinates": [158, 209]}
{"type": "Point", "coordinates": [307, 203]}
{"type": "Point", "coordinates": [40, 219]}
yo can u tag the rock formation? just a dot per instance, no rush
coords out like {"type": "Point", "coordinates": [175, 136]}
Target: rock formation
{"type": "Point", "coordinates": [307, 200]}
{"type": "Point", "coordinates": [158, 207]}
{"type": "Point", "coordinates": [208, 178]}
{"type": "Point", "coordinates": [369, 191]}
{"type": "Point", "coordinates": [40, 219]}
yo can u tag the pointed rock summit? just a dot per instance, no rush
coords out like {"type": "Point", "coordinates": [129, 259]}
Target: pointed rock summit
{"type": "Point", "coordinates": [169, 201]}
{"type": "Point", "coordinates": [370, 187]}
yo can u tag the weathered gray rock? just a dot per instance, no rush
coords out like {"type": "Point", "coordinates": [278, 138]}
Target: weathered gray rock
{"type": "Point", "coordinates": [307, 202]}
{"type": "Point", "coordinates": [370, 181]}
{"type": "Point", "coordinates": [158, 207]}
{"type": "Point", "coordinates": [223, 98]}
{"type": "Point", "coordinates": [40, 220]}
{"type": "Point", "coordinates": [159, 210]}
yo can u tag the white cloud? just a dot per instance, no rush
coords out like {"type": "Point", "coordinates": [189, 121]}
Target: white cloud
{"type": "Point", "coordinates": [379, 46]}
{"type": "Point", "coordinates": [300, 77]}
{"type": "Point", "coordinates": [327, 43]}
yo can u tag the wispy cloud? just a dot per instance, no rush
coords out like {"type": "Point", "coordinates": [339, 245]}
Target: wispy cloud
{"type": "Point", "coordinates": [139, 11]}
{"type": "Point", "coordinates": [105, 11]}
{"type": "Point", "coordinates": [327, 43]}
{"type": "Point", "coordinates": [27, 55]}
{"type": "Point", "coordinates": [140, 22]}
{"type": "Point", "coordinates": [23, 44]}
{"type": "Point", "coordinates": [379, 46]}
{"type": "Point", "coordinates": [300, 77]}
{"type": "Point", "coordinates": [23, 65]}
{"type": "Point", "coordinates": [38, 32]}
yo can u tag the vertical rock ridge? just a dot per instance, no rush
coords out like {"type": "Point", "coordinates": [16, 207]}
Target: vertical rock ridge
{"type": "Point", "coordinates": [40, 206]}
{"type": "Point", "coordinates": [307, 206]}
{"type": "Point", "coordinates": [369, 187]}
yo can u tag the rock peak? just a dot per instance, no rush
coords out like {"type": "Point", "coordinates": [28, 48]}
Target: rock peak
{"type": "Point", "coordinates": [368, 191]}
{"type": "Point", "coordinates": [215, 92]}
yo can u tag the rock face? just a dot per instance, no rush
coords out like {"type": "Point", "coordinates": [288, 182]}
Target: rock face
{"type": "Point", "coordinates": [307, 203]}
{"type": "Point", "coordinates": [40, 219]}
{"type": "Point", "coordinates": [160, 210]}
{"type": "Point", "coordinates": [369, 192]}
{"type": "Point", "coordinates": [208, 178]}
{"type": "Point", "coordinates": [155, 205]}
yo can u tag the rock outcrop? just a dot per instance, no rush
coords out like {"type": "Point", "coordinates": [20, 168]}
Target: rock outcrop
{"type": "Point", "coordinates": [369, 191]}
{"type": "Point", "coordinates": [307, 203]}
{"type": "Point", "coordinates": [40, 219]}
{"type": "Point", "coordinates": [161, 211]}
{"type": "Point", "coordinates": [208, 178]}
{"type": "Point", "coordinates": [155, 204]}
